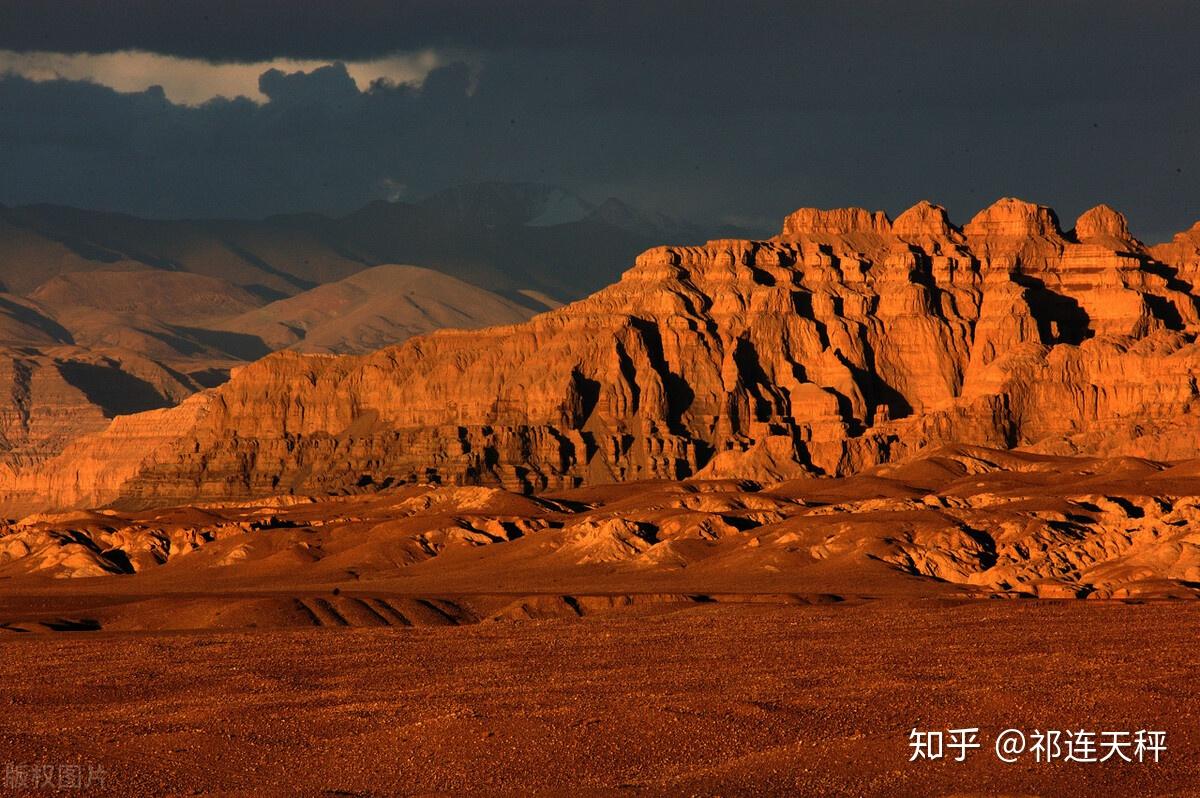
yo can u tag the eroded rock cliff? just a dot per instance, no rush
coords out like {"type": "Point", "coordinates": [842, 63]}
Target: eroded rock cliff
{"type": "Point", "coordinates": [846, 341]}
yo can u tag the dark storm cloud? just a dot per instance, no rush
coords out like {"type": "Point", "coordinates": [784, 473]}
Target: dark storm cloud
{"type": "Point", "coordinates": [318, 143]}
{"type": "Point", "coordinates": [710, 110]}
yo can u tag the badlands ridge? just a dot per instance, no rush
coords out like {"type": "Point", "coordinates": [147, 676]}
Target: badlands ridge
{"type": "Point", "coordinates": [856, 407]}
{"type": "Point", "coordinates": [846, 342]}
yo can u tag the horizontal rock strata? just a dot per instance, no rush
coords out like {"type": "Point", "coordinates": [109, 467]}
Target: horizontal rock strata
{"type": "Point", "coordinates": [847, 341]}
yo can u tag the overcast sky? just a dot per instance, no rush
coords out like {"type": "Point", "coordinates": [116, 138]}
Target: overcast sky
{"type": "Point", "coordinates": [718, 112]}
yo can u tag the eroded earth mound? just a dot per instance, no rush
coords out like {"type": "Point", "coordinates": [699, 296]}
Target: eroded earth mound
{"type": "Point", "coordinates": [962, 522]}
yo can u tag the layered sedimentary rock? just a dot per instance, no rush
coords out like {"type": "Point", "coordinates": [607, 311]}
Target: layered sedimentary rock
{"type": "Point", "coordinates": [55, 395]}
{"type": "Point", "coordinates": [846, 341]}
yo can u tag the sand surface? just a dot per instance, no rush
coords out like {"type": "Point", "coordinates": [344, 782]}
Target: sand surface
{"type": "Point", "coordinates": [661, 699]}
{"type": "Point", "coordinates": [652, 639]}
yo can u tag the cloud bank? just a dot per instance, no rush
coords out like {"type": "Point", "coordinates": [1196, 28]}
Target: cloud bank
{"type": "Point", "coordinates": [704, 111]}
{"type": "Point", "coordinates": [193, 81]}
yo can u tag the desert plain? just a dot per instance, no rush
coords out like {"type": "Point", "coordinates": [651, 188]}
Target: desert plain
{"type": "Point", "coordinates": [660, 638]}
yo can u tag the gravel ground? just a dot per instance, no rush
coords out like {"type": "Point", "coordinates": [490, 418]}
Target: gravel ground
{"type": "Point", "coordinates": [704, 700]}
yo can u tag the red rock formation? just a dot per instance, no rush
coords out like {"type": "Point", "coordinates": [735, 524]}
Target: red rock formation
{"type": "Point", "coordinates": [1014, 218]}
{"type": "Point", "coordinates": [845, 342]}
{"type": "Point", "coordinates": [926, 222]}
{"type": "Point", "coordinates": [974, 521]}
{"type": "Point", "coordinates": [54, 396]}
{"type": "Point", "coordinates": [840, 221]}
{"type": "Point", "coordinates": [1105, 224]}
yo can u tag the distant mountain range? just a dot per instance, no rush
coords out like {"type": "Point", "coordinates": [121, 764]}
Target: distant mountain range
{"type": "Point", "coordinates": [177, 290]}
{"type": "Point", "coordinates": [104, 313]}
{"type": "Point", "coordinates": [505, 237]}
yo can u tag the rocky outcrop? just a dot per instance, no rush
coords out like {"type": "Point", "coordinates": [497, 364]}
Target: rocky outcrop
{"type": "Point", "coordinates": [88, 346]}
{"type": "Point", "coordinates": [960, 521]}
{"type": "Point", "coordinates": [1014, 218]}
{"type": "Point", "coordinates": [1104, 225]}
{"type": "Point", "coordinates": [845, 342]}
{"type": "Point", "coordinates": [812, 221]}
{"type": "Point", "coordinates": [55, 395]}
